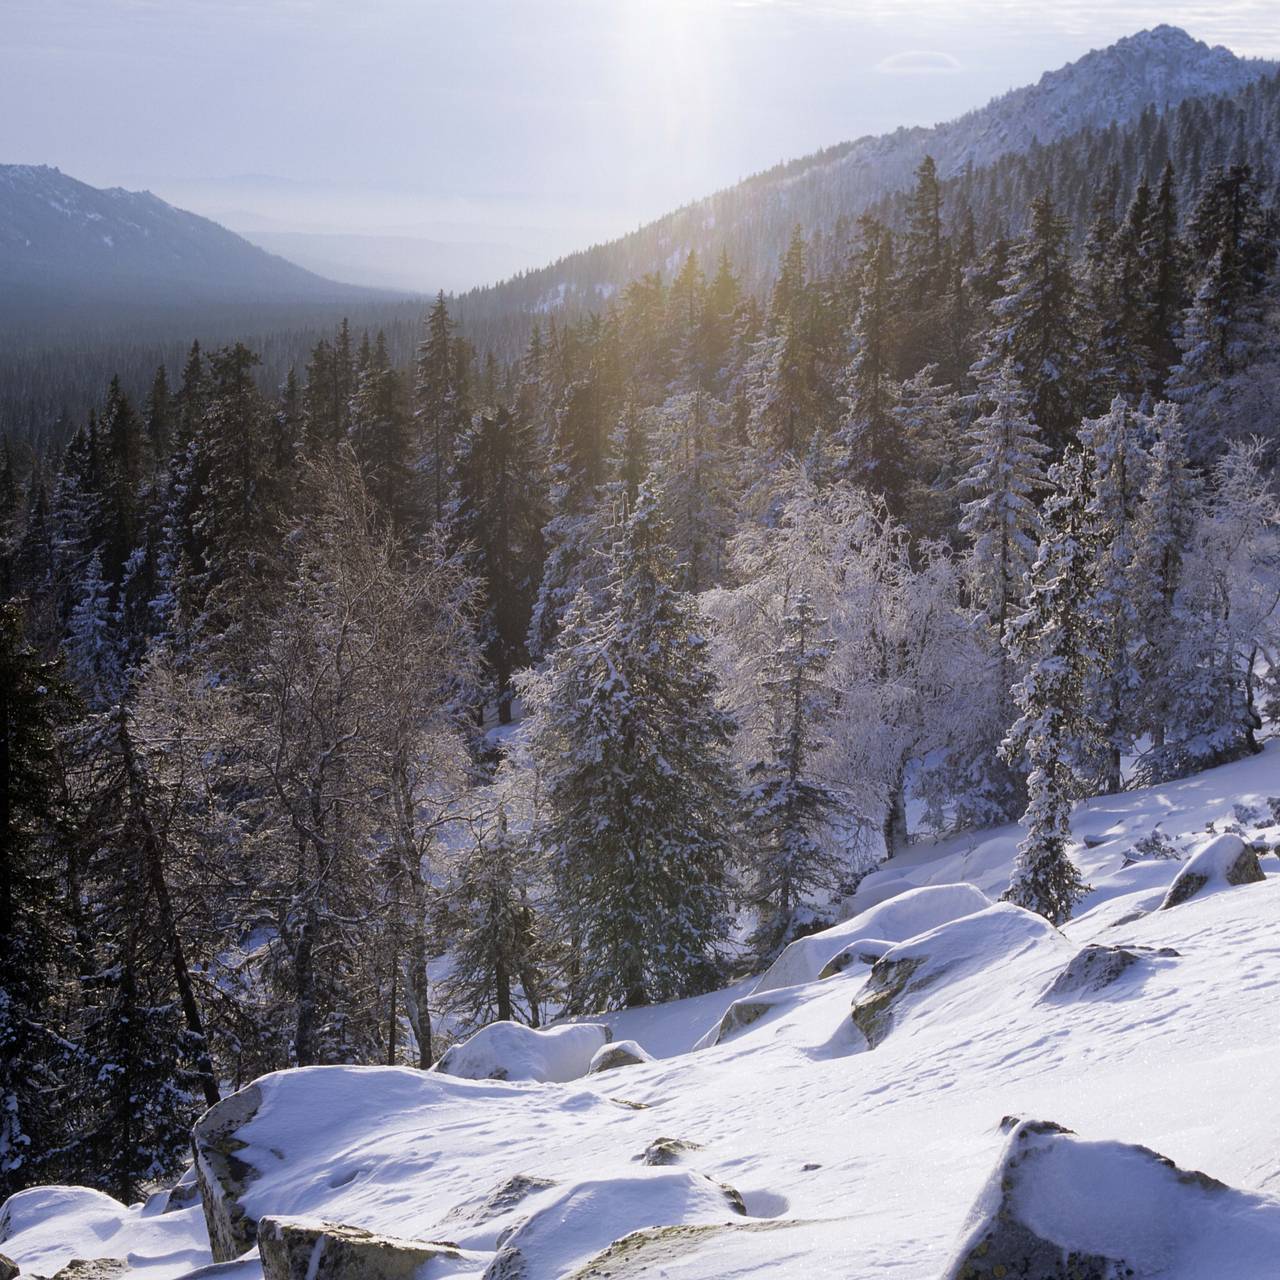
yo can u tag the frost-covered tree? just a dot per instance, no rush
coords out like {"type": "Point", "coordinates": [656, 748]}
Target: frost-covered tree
{"type": "Point", "coordinates": [1000, 517]}
{"type": "Point", "coordinates": [1117, 464]}
{"type": "Point", "coordinates": [789, 806]}
{"type": "Point", "coordinates": [633, 751]}
{"type": "Point", "coordinates": [1051, 640]}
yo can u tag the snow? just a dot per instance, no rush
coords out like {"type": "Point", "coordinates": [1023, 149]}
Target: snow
{"type": "Point", "coordinates": [912, 912]}
{"type": "Point", "coordinates": [851, 1160]}
{"type": "Point", "coordinates": [512, 1051]}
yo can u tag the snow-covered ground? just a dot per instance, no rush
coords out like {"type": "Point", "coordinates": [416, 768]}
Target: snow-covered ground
{"type": "Point", "coordinates": [859, 1118]}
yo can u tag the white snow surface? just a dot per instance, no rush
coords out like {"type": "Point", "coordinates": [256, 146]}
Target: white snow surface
{"type": "Point", "coordinates": [512, 1051]}
{"type": "Point", "coordinates": [851, 1161]}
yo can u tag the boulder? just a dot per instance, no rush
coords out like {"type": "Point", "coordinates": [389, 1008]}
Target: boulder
{"type": "Point", "coordinates": [743, 1013]}
{"type": "Point", "coordinates": [664, 1151]}
{"type": "Point", "coordinates": [969, 943]}
{"type": "Point", "coordinates": [1059, 1208]}
{"type": "Point", "coordinates": [903, 916]}
{"type": "Point", "coordinates": [621, 1053]}
{"type": "Point", "coordinates": [512, 1051]}
{"type": "Point", "coordinates": [8, 1268]}
{"type": "Point", "coordinates": [92, 1269]}
{"type": "Point", "coordinates": [566, 1231]}
{"type": "Point", "coordinates": [864, 951]}
{"type": "Point", "coordinates": [502, 1199]}
{"type": "Point", "coordinates": [309, 1249]}
{"type": "Point", "coordinates": [1096, 967]}
{"type": "Point", "coordinates": [1225, 861]}
{"type": "Point", "coordinates": [223, 1177]}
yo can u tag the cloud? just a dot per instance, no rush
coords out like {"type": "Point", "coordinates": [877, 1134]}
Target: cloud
{"type": "Point", "coordinates": [918, 62]}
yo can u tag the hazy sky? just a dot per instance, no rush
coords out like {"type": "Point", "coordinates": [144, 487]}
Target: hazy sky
{"type": "Point", "coordinates": [561, 120]}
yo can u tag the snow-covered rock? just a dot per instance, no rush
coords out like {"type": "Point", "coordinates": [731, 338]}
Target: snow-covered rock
{"type": "Point", "coordinates": [1060, 1208]}
{"type": "Point", "coordinates": [311, 1249]}
{"type": "Point", "coordinates": [568, 1231]}
{"type": "Point", "coordinates": [223, 1175]}
{"type": "Point", "coordinates": [1097, 966]}
{"type": "Point", "coordinates": [1225, 861]}
{"type": "Point", "coordinates": [621, 1053]}
{"type": "Point", "coordinates": [512, 1051]}
{"type": "Point", "coordinates": [973, 941]}
{"type": "Point", "coordinates": [909, 913]}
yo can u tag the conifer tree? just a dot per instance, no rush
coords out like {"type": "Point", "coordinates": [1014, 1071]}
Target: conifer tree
{"type": "Point", "coordinates": [438, 412]}
{"type": "Point", "coordinates": [1051, 641]}
{"type": "Point", "coordinates": [633, 750]}
{"type": "Point", "coordinates": [37, 1059]}
{"type": "Point", "coordinates": [380, 436]}
{"type": "Point", "coordinates": [787, 804]}
{"type": "Point", "coordinates": [1032, 326]}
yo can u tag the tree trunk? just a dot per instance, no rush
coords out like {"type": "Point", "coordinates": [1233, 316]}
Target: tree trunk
{"type": "Point", "coordinates": [895, 818]}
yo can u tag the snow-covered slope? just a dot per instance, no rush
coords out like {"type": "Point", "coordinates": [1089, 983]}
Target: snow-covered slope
{"type": "Point", "coordinates": [753, 220]}
{"type": "Point", "coordinates": [869, 1120]}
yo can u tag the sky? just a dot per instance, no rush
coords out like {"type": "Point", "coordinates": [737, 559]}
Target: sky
{"type": "Point", "coordinates": [525, 128]}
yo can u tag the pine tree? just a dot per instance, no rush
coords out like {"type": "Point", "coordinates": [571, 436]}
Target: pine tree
{"type": "Point", "coordinates": [438, 412]}
{"type": "Point", "coordinates": [787, 805]}
{"type": "Point", "coordinates": [380, 436]}
{"type": "Point", "coordinates": [1051, 640]}
{"type": "Point", "coordinates": [633, 750]}
{"type": "Point", "coordinates": [1164, 286]}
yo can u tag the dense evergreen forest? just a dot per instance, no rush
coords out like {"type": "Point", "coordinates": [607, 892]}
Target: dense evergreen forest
{"type": "Point", "coordinates": [340, 718]}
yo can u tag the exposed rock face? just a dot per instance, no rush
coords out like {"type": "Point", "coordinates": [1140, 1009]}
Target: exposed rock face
{"type": "Point", "coordinates": [1226, 861]}
{"type": "Point", "coordinates": [223, 1176]}
{"type": "Point", "coordinates": [621, 1053]}
{"type": "Point", "coordinates": [1096, 967]}
{"type": "Point", "coordinates": [743, 1013]}
{"type": "Point", "coordinates": [1023, 1226]}
{"type": "Point", "coordinates": [306, 1249]}
{"type": "Point", "coordinates": [872, 1011]}
{"type": "Point", "coordinates": [663, 1151]}
{"type": "Point", "coordinates": [8, 1268]}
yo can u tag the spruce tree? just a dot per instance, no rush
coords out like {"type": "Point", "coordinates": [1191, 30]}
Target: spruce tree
{"type": "Point", "coordinates": [788, 805]}
{"type": "Point", "coordinates": [1051, 640]}
{"type": "Point", "coordinates": [634, 753]}
{"type": "Point", "coordinates": [1032, 324]}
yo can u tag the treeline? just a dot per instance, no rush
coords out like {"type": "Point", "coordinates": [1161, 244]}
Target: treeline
{"type": "Point", "coordinates": [970, 523]}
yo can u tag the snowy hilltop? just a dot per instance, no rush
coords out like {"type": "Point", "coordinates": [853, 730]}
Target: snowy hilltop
{"type": "Point", "coordinates": [942, 1085]}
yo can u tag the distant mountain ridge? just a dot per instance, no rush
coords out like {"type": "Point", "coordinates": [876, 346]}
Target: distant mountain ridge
{"type": "Point", "coordinates": [66, 245]}
{"type": "Point", "coordinates": [1160, 68]}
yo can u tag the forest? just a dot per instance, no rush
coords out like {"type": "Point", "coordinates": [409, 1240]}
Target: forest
{"type": "Point", "coordinates": [342, 718]}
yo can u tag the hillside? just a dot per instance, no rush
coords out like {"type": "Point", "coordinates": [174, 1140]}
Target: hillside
{"type": "Point", "coordinates": [70, 251]}
{"type": "Point", "coordinates": [753, 220]}
{"type": "Point", "coordinates": [781, 1136]}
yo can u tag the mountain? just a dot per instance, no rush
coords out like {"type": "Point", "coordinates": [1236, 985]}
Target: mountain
{"type": "Point", "coordinates": [1159, 68]}
{"type": "Point", "coordinates": [887, 1101]}
{"type": "Point", "coordinates": [70, 250]}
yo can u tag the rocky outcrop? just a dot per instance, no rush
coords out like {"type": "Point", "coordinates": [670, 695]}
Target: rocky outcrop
{"type": "Point", "coordinates": [1224, 862]}
{"type": "Point", "coordinates": [223, 1177]}
{"type": "Point", "coordinates": [890, 979]}
{"type": "Point", "coordinates": [502, 1199]}
{"type": "Point", "coordinates": [864, 951]}
{"type": "Point", "coordinates": [621, 1053]}
{"type": "Point", "coordinates": [309, 1249]}
{"type": "Point", "coordinates": [744, 1013]}
{"type": "Point", "coordinates": [8, 1268]}
{"type": "Point", "coordinates": [1096, 967]}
